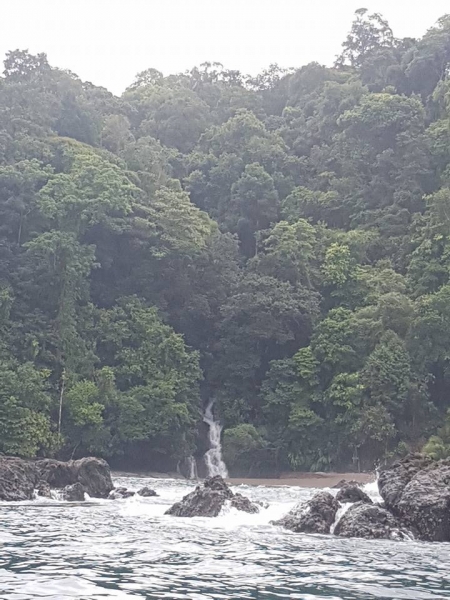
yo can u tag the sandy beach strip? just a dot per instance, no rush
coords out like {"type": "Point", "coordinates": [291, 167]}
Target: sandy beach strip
{"type": "Point", "coordinates": [307, 480]}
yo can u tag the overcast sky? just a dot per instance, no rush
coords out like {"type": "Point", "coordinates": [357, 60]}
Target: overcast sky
{"type": "Point", "coordinates": [109, 41]}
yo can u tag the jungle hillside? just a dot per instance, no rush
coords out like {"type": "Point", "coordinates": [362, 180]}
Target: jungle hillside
{"type": "Point", "coordinates": [279, 244]}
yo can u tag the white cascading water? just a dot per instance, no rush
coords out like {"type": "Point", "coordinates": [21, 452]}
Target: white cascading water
{"type": "Point", "coordinates": [192, 467]}
{"type": "Point", "coordinates": [213, 458]}
{"type": "Point", "coordinates": [340, 513]}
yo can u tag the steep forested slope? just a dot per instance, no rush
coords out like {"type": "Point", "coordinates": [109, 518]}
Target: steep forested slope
{"type": "Point", "coordinates": [280, 244]}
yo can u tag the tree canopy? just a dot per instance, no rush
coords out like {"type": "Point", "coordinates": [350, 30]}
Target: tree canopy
{"type": "Point", "coordinates": [279, 244]}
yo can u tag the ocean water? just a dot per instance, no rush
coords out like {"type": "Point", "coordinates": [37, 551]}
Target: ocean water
{"type": "Point", "coordinates": [128, 549]}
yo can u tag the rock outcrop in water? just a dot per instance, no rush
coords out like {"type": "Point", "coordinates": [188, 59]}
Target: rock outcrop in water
{"type": "Point", "coordinates": [120, 493]}
{"type": "Point", "coordinates": [43, 490]}
{"type": "Point", "coordinates": [416, 495]}
{"type": "Point", "coordinates": [207, 500]}
{"type": "Point", "coordinates": [352, 493]}
{"type": "Point", "coordinates": [73, 493]}
{"type": "Point", "coordinates": [363, 520]}
{"type": "Point", "coordinates": [92, 473]}
{"type": "Point", "coordinates": [19, 478]}
{"type": "Point", "coordinates": [146, 492]}
{"type": "Point", "coordinates": [314, 516]}
{"type": "Point", "coordinates": [417, 491]}
{"type": "Point", "coordinates": [344, 482]}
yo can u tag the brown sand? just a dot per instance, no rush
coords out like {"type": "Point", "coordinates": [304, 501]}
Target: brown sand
{"type": "Point", "coordinates": [307, 480]}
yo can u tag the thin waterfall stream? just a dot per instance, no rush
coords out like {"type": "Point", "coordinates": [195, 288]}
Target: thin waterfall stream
{"type": "Point", "coordinates": [192, 467]}
{"type": "Point", "coordinates": [214, 462]}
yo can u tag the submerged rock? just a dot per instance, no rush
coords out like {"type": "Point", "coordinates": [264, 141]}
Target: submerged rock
{"type": "Point", "coordinates": [120, 493]}
{"type": "Point", "coordinates": [352, 493]}
{"type": "Point", "coordinates": [207, 500]}
{"type": "Point", "coordinates": [73, 493]}
{"type": "Point", "coordinates": [314, 516]}
{"type": "Point", "coordinates": [364, 520]}
{"type": "Point", "coordinates": [146, 492]}
{"type": "Point", "coordinates": [417, 491]}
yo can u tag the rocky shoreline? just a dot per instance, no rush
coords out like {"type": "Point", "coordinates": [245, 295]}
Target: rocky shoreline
{"type": "Point", "coordinates": [416, 504]}
{"type": "Point", "coordinates": [24, 479]}
{"type": "Point", "coordinates": [415, 494]}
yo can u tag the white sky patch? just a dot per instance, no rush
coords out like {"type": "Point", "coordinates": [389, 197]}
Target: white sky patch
{"type": "Point", "coordinates": [109, 41]}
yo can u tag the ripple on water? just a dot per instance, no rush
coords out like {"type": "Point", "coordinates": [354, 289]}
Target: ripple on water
{"type": "Point", "coordinates": [128, 549]}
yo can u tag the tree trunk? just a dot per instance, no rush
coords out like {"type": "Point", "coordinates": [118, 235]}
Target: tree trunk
{"type": "Point", "coordinates": [61, 396]}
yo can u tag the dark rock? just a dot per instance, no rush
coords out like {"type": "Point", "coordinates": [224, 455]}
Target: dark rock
{"type": "Point", "coordinates": [364, 520]}
{"type": "Point", "coordinates": [43, 490]}
{"type": "Point", "coordinates": [343, 482]}
{"type": "Point", "coordinates": [146, 492]}
{"type": "Point", "coordinates": [56, 473]}
{"type": "Point", "coordinates": [352, 493]}
{"type": "Point", "coordinates": [425, 504]}
{"type": "Point", "coordinates": [73, 493]}
{"type": "Point", "coordinates": [240, 502]}
{"type": "Point", "coordinates": [392, 480]}
{"type": "Point", "coordinates": [315, 516]}
{"type": "Point", "coordinates": [417, 490]}
{"type": "Point", "coordinates": [207, 500]}
{"type": "Point", "coordinates": [120, 493]}
{"type": "Point", "coordinates": [18, 479]}
{"type": "Point", "coordinates": [93, 474]}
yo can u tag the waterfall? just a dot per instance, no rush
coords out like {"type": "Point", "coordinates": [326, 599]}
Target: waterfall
{"type": "Point", "coordinates": [192, 467]}
{"type": "Point", "coordinates": [340, 513]}
{"type": "Point", "coordinates": [213, 458]}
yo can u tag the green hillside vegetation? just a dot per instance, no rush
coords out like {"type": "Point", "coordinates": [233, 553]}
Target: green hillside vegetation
{"type": "Point", "coordinates": [280, 244]}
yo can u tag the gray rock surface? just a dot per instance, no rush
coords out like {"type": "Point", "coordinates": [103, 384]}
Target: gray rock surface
{"type": "Point", "coordinates": [417, 491]}
{"type": "Point", "coordinates": [352, 493]}
{"type": "Point", "coordinates": [393, 480]}
{"type": "Point", "coordinates": [207, 500]}
{"type": "Point", "coordinates": [344, 482]}
{"type": "Point", "coordinates": [19, 477]}
{"type": "Point", "coordinates": [364, 520]}
{"type": "Point", "coordinates": [73, 493]}
{"type": "Point", "coordinates": [43, 490]}
{"type": "Point", "coordinates": [146, 492]}
{"type": "Point", "coordinates": [314, 516]}
{"type": "Point", "coordinates": [93, 473]}
{"type": "Point", "coordinates": [120, 493]}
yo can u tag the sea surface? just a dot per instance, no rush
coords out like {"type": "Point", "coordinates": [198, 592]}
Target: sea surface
{"type": "Point", "coordinates": [128, 549]}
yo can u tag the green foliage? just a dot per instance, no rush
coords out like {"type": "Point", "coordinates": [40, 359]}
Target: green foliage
{"type": "Point", "coordinates": [241, 447]}
{"type": "Point", "coordinates": [438, 446]}
{"type": "Point", "coordinates": [278, 243]}
{"type": "Point", "coordinates": [156, 379]}
{"type": "Point", "coordinates": [25, 427]}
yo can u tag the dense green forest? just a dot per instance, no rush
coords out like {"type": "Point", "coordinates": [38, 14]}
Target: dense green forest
{"type": "Point", "coordinates": [279, 243]}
